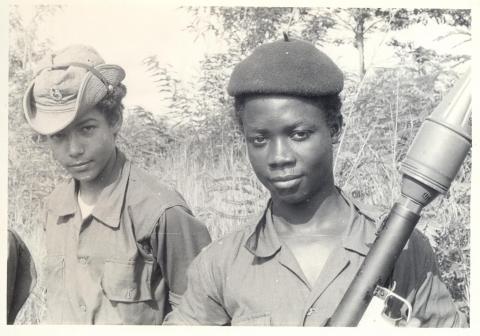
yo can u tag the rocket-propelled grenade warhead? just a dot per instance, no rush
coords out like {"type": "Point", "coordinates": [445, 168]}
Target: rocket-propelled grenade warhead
{"type": "Point", "coordinates": [440, 147]}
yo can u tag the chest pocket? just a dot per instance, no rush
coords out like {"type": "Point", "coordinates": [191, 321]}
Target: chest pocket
{"type": "Point", "coordinates": [127, 281]}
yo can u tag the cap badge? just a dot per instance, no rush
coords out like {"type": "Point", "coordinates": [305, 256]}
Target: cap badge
{"type": "Point", "coordinates": [56, 94]}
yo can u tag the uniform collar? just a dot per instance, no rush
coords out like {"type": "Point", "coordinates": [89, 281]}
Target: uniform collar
{"type": "Point", "coordinates": [361, 229]}
{"type": "Point", "coordinates": [110, 202]}
{"type": "Point", "coordinates": [64, 204]}
{"type": "Point", "coordinates": [263, 240]}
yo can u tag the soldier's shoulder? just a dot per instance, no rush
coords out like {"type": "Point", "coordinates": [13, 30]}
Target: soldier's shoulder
{"type": "Point", "coordinates": [144, 186]}
{"type": "Point", "coordinates": [59, 192]}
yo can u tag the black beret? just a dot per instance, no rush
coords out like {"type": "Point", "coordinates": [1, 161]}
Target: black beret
{"type": "Point", "coordinates": [288, 66]}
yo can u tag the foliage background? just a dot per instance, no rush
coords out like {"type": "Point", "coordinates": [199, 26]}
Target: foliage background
{"type": "Point", "coordinates": [195, 145]}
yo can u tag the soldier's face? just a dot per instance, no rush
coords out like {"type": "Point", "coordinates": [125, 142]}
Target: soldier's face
{"type": "Point", "coordinates": [86, 147]}
{"type": "Point", "coordinates": [289, 146]}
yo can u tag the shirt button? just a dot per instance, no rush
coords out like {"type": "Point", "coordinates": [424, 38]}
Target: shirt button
{"type": "Point", "coordinates": [311, 311]}
{"type": "Point", "coordinates": [83, 308]}
{"type": "Point", "coordinates": [130, 293]}
{"type": "Point", "coordinates": [83, 261]}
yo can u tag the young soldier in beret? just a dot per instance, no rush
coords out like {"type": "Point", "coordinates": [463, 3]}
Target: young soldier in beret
{"type": "Point", "coordinates": [293, 265]}
{"type": "Point", "coordinates": [118, 241]}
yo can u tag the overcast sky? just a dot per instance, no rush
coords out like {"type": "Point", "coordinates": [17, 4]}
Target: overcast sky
{"type": "Point", "coordinates": [126, 34]}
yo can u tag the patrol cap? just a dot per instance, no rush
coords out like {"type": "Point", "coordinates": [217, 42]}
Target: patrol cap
{"type": "Point", "coordinates": [289, 66]}
{"type": "Point", "coordinates": [68, 83]}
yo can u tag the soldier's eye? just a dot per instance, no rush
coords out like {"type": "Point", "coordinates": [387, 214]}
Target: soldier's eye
{"type": "Point", "coordinates": [301, 135]}
{"type": "Point", "coordinates": [88, 129]}
{"type": "Point", "coordinates": [258, 140]}
{"type": "Point", "coordinates": [57, 136]}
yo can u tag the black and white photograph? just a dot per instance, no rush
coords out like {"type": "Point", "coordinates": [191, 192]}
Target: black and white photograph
{"type": "Point", "coordinates": [238, 164]}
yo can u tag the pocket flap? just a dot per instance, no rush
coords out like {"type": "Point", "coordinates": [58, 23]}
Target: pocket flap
{"type": "Point", "coordinates": [127, 282]}
{"type": "Point", "coordinates": [262, 319]}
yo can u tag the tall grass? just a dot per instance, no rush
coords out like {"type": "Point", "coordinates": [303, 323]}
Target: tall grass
{"type": "Point", "coordinates": [213, 174]}
{"type": "Point", "coordinates": [221, 190]}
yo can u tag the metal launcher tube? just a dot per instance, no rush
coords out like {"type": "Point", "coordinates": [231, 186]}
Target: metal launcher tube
{"type": "Point", "coordinates": [429, 168]}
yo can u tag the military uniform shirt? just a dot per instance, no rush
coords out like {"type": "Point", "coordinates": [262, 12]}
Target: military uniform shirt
{"type": "Point", "coordinates": [250, 278]}
{"type": "Point", "coordinates": [126, 262]}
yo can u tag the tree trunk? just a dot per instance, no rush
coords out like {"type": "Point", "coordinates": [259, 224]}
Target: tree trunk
{"type": "Point", "coordinates": [361, 57]}
{"type": "Point", "coordinates": [359, 18]}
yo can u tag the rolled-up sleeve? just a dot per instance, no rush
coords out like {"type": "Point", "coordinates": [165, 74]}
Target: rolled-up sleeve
{"type": "Point", "coordinates": [181, 240]}
{"type": "Point", "coordinates": [431, 301]}
{"type": "Point", "coordinates": [434, 305]}
{"type": "Point", "coordinates": [202, 303]}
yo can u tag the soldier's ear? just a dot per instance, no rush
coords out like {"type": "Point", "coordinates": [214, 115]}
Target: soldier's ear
{"type": "Point", "coordinates": [116, 124]}
{"type": "Point", "coordinates": [336, 129]}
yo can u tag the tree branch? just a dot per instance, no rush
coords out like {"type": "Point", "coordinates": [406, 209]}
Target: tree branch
{"type": "Point", "coordinates": [372, 25]}
{"type": "Point", "coordinates": [345, 24]}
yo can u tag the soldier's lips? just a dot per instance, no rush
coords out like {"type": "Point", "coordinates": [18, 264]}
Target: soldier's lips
{"type": "Point", "coordinates": [286, 182]}
{"type": "Point", "coordinates": [79, 165]}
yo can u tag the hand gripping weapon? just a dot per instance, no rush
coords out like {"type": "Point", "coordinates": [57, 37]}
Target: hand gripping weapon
{"type": "Point", "coordinates": [431, 164]}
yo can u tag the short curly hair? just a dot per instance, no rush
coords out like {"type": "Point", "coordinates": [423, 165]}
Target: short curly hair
{"type": "Point", "coordinates": [111, 105]}
{"type": "Point", "coordinates": [330, 104]}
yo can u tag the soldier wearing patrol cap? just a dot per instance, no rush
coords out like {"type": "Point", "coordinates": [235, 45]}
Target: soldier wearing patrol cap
{"type": "Point", "coordinates": [293, 265]}
{"type": "Point", "coordinates": [118, 241]}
